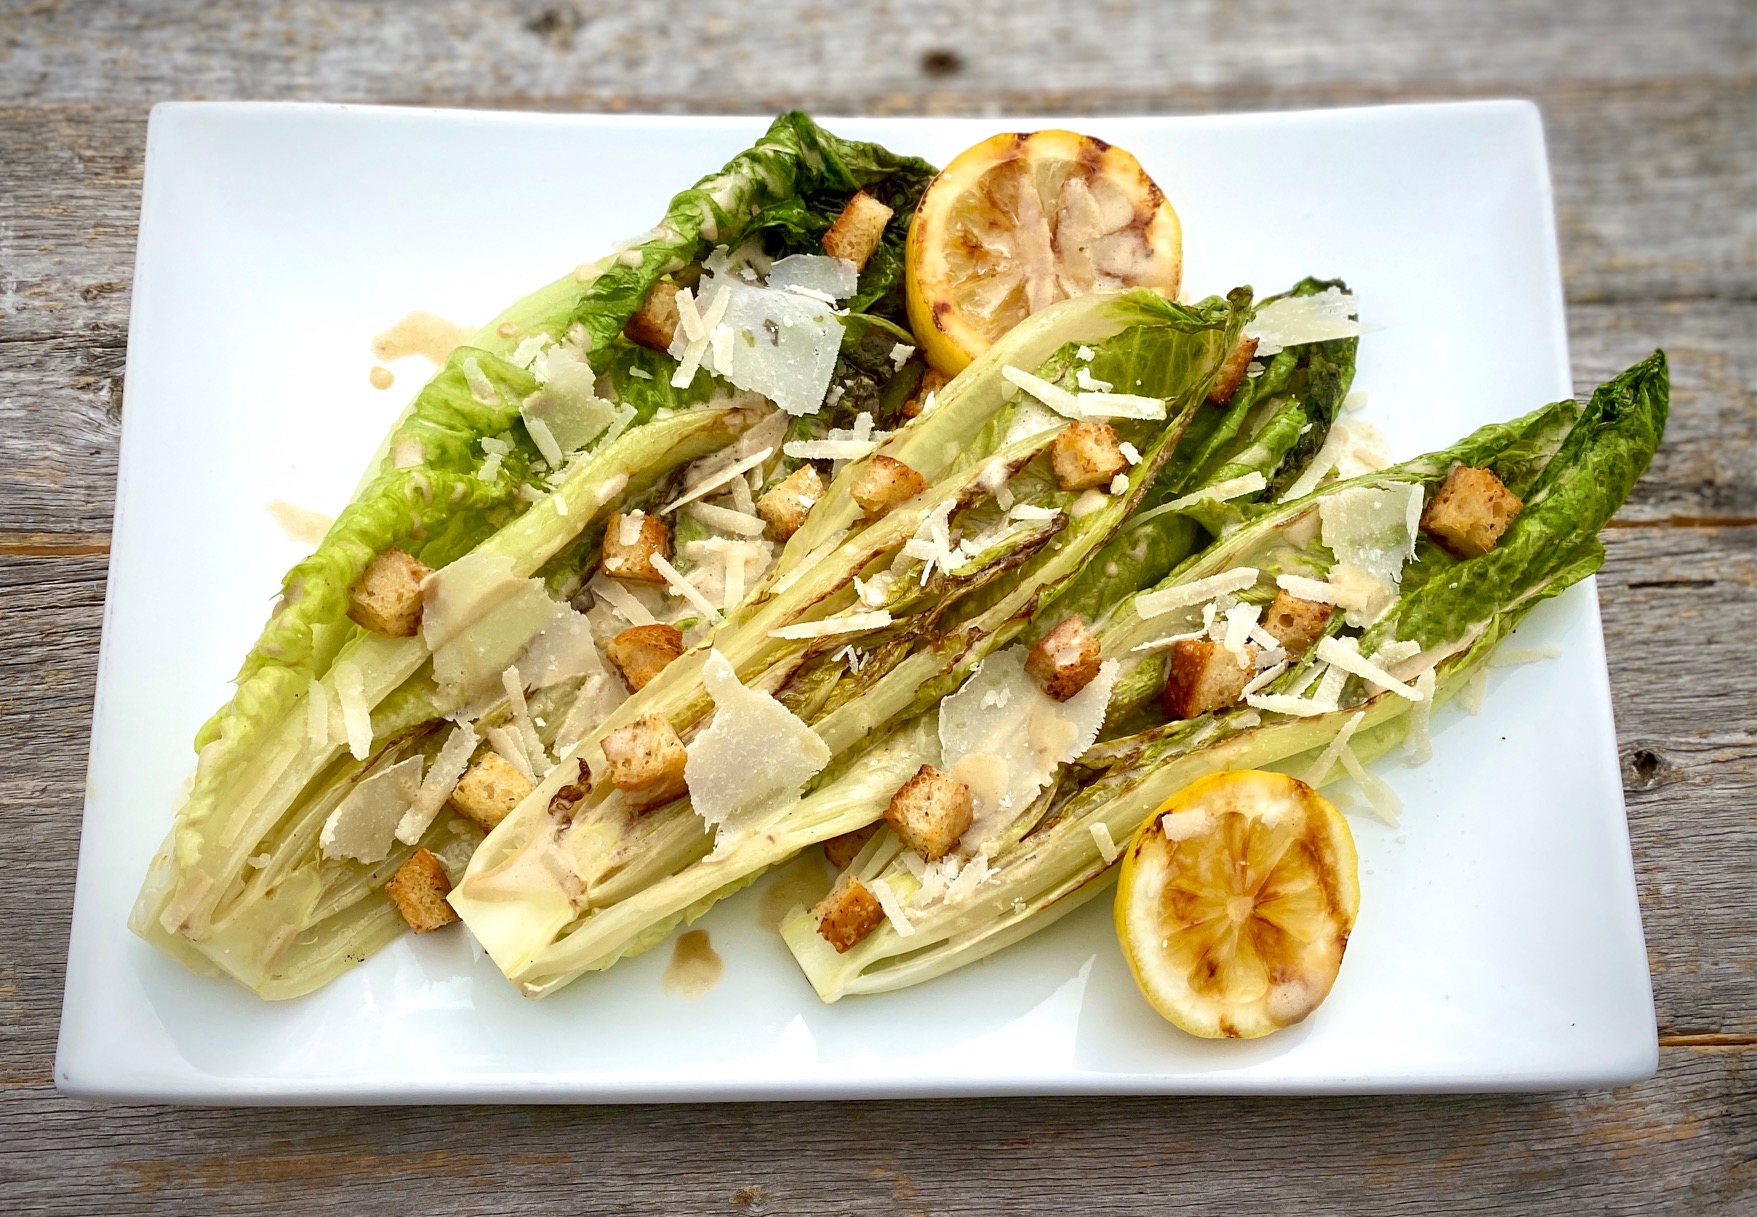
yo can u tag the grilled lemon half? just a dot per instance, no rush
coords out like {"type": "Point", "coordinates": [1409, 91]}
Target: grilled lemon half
{"type": "Point", "coordinates": [1021, 221]}
{"type": "Point", "coordinates": [1235, 903]}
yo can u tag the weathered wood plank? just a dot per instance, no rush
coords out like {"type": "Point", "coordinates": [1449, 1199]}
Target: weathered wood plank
{"type": "Point", "coordinates": [1676, 1144]}
{"type": "Point", "coordinates": [703, 51]}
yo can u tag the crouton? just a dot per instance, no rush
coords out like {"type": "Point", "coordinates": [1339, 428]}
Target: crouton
{"type": "Point", "coordinates": [858, 230]}
{"type": "Point", "coordinates": [630, 542]}
{"type": "Point", "coordinates": [1469, 512]}
{"type": "Point", "coordinates": [848, 914]}
{"type": "Point", "coordinates": [841, 850]}
{"type": "Point", "coordinates": [641, 652]}
{"type": "Point", "coordinates": [932, 382]}
{"type": "Point", "coordinates": [790, 500]}
{"type": "Point", "coordinates": [656, 324]}
{"type": "Point", "coordinates": [1296, 624]}
{"type": "Point", "coordinates": [1087, 454]}
{"type": "Point", "coordinates": [1232, 372]}
{"type": "Point", "coordinates": [1205, 676]}
{"type": "Point", "coordinates": [418, 890]}
{"type": "Point", "coordinates": [1065, 661]}
{"type": "Point", "coordinates": [930, 812]}
{"type": "Point", "coordinates": [387, 599]}
{"type": "Point", "coordinates": [883, 483]}
{"type": "Point", "coordinates": [646, 762]}
{"type": "Point", "coordinates": [489, 789]}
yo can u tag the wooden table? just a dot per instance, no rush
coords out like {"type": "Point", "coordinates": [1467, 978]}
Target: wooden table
{"type": "Point", "coordinates": [1651, 112]}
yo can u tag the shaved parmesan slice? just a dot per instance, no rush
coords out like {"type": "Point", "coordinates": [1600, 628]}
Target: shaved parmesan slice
{"type": "Point", "coordinates": [843, 623]}
{"type": "Point", "coordinates": [562, 650]}
{"type": "Point", "coordinates": [1106, 843]}
{"type": "Point", "coordinates": [481, 388]}
{"type": "Point", "coordinates": [1220, 492]}
{"type": "Point", "coordinates": [1083, 377]}
{"type": "Point", "coordinates": [1286, 703]}
{"type": "Point", "coordinates": [684, 589]}
{"type": "Point", "coordinates": [1329, 691]}
{"type": "Point", "coordinates": [1087, 503]}
{"type": "Point", "coordinates": [1264, 678]}
{"type": "Point", "coordinates": [1241, 619]}
{"type": "Point", "coordinates": [1470, 697]}
{"type": "Point", "coordinates": [753, 752]}
{"type": "Point", "coordinates": [1513, 657]}
{"type": "Point", "coordinates": [568, 409]}
{"type": "Point", "coordinates": [1373, 528]}
{"type": "Point", "coordinates": [829, 449]}
{"type": "Point", "coordinates": [478, 618]}
{"type": "Point", "coordinates": [317, 714]}
{"type": "Point", "coordinates": [1349, 659]}
{"type": "Point", "coordinates": [1319, 771]}
{"type": "Point", "coordinates": [535, 753]}
{"type": "Point", "coordinates": [1419, 747]}
{"type": "Point", "coordinates": [970, 876]}
{"type": "Point", "coordinates": [364, 823]}
{"type": "Point", "coordinates": [1119, 484]}
{"type": "Point", "coordinates": [356, 714]}
{"type": "Point", "coordinates": [1296, 320]}
{"type": "Point", "coordinates": [1184, 825]}
{"type": "Point", "coordinates": [622, 600]}
{"type": "Point", "coordinates": [1396, 651]}
{"type": "Point", "coordinates": [831, 278]}
{"type": "Point", "coordinates": [1021, 735]}
{"type": "Point", "coordinates": [1380, 797]}
{"type": "Point", "coordinates": [506, 744]}
{"type": "Point", "coordinates": [742, 523]}
{"type": "Point", "coordinates": [1026, 511]}
{"type": "Point", "coordinates": [712, 483]}
{"type": "Point", "coordinates": [1054, 396]}
{"type": "Point", "coordinates": [442, 777]}
{"type": "Point", "coordinates": [1121, 405]}
{"type": "Point", "coordinates": [596, 700]}
{"type": "Point", "coordinates": [784, 344]}
{"type": "Point", "coordinates": [1320, 592]}
{"type": "Point", "coordinates": [1158, 603]}
{"type": "Point", "coordinates": [893, 907]}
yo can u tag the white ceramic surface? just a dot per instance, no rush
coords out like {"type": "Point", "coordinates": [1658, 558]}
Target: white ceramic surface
{"type": "Point", "coordinates": [1499, 944]}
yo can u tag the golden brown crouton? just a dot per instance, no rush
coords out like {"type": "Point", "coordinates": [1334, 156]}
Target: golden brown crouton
{"type": "Point", "coordinates": [646, 762]}
{"type": "Point", "coordinates": [656, 324]}
{"type": "Point", "coordinates": [387, 599]}
{"type": "Point", "coordinates": [858, 230]}
{"type": "Point", "coordinates": [419, 889]}
{"type": "Point", "coordinates": [790, 500]}
{"type": "Point", "coordinates": [930, 812]}
{"type": "Point", "coordinates": [841, 850]}
{"type": "Point", "coordinates": [1469, 512]}
{"type": "Point", "coordinates": [641, 652]}
{"type": "Point", "coordinates": [1232, 372]}
{"type": "Point", "coordinates": [1205, 676]}
{"type": "Point", "coordinates": [1296, 624]}
{"type": "Point", "coordinates": [1065, 661]}
{"type": "Point", "coordinates": [1087, 454]}
{"type": "Point", "coordinates": [489, 789]}
{"type": "Point", "coordinates": [883, 483]}
{"type": "Point", "coordinates": [849, 913]}
{"type": "Point", "coordinates": [932, 381]}
{"type": "Point", "coordinates": [630, 542]}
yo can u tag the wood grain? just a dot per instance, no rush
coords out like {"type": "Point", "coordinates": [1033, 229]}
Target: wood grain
{"type": "Point", "coordinates": [1648, 114]}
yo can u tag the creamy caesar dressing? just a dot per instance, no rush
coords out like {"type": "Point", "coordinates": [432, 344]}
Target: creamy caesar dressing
{"type": "Point", "coordinates": [420, 333]}
{"type": "Point", "coordinates": [695, 966]}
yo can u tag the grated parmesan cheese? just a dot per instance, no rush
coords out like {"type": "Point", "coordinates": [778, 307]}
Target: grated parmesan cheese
{"type": "Point", "coordinates": [1220, 492]}
{"type": "Point", "coordinates": [1087, 503]}
{"type": "Point", "coordinates": [1241, 619]}
{"type": "Point", "coordinates": [1513, 657]}
{"type": "Point", "coordinates": [1119, 484]}
{"type": "Point", "coordinates": [1380, 797]}
{"type": "Point", "coordinates": [1264, 678]}
{"type": "Point", "coordinates": [623, 601]}
{"type": "Point", "coordinates": [535, 753]}
{"type": "Point", "coordinates": [1084, 378]}
{"type": "Point", "coordinates": [507, 744]}
{"type": "Point", "coordinates": [1027, 511]}
{"type": "Point", "coordinates": [1130, 453]}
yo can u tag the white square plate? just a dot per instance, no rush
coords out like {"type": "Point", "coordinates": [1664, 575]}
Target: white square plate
{"type": "Point", "coordinates": [1499, 944]}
